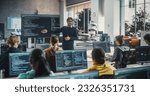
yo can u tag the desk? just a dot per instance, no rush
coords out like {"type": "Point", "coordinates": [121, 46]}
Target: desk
{"type": "Point", "coordinates": [140, 72]}
{"type": "Point", "coordinates": [88, 75]}
{"type": "Point", "coordinates": [137, 65]}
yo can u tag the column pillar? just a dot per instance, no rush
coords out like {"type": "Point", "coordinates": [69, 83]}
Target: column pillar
{"type": "Point", "coordinates": [112, 18]}
{"type": "Point", "coordinates": [63, 12]}
{"type": "Point", "coordinates": [122, 17]}
{"type": "Point", "coordinates": [97, 13]}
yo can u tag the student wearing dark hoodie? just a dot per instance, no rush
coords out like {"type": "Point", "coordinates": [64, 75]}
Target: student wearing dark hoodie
{"type": "Point", "coordinates": [13, 43]}
{"type": "Point", "coordinates": [118, 57]}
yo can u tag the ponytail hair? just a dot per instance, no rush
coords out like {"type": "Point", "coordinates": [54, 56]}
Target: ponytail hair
{"type": "Point", "coordinates": [39, 63]}
{"type": "Point", "coordinates": [98, 55]}
{"type": "Point", "coordinates": [54, 40]}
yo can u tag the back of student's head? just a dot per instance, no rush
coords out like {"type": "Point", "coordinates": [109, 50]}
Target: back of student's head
{"type": "Point", "coordinates": [38, 62]}
{"type": "Point", "coordinates": [54, 40]}
{"type": "Point", "coordinates": [147, 38]}
{"type": "Point", "coordinates": [119, 39]}
{"type": "Point", "coordinates": [98, 55]}
{"type": "Point", "coordinates": [13, 40]}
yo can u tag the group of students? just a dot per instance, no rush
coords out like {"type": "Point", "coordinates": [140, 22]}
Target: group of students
{"type": "Point", "coordinates": [121, 59]}
{"type": "Point", "coordinates": [42, 61]}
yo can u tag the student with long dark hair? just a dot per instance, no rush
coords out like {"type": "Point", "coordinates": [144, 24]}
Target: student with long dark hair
{"type": "Point", "coordinates": [105, 70]}
{"type": "Point", "coordinates": [39, 65]}
{"type": "Point", "coordinates": [50, 52]}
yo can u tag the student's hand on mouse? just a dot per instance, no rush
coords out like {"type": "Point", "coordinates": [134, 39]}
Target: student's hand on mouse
{"type": "Point", "coordinates": [67, 38]}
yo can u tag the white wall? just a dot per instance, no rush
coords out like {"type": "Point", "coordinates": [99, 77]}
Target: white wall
{"type": "Point", "coordinates": [63, 12]}
{"type": "Point", "coordinates": [14, 8]}
{"type": "Point", "coordinates": [122, 26]}
{"type": "Point", "coordinates": [108, 17]}
{"type": "Point", "coordinates": [97, 13]}
{"type": "Point", "coordinates": [106, 13]}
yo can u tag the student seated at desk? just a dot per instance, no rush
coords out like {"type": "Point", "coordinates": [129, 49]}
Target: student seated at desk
{"type": "Point", "coordinates": [118, 57]}
{"type": "Point", "coordinates": [50, 52]}
{"type": "Point", "coordinates": [106, 71]}
{"type": "Point", "coordinates": [39, 65]}
{"type": "Point", "coordinates": [13, 42]}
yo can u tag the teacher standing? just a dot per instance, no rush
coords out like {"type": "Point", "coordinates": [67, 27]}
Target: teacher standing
{"type": "Point", "coordinates": [69, 35]}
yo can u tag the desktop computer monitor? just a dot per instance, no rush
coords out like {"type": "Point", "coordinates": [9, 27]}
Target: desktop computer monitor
{"type": "Point", "coordinates": [143, 54]}
{"type": "Point", "coordinates": [68, 60]}
{"type": "Point", "coordinates": [18, 63]}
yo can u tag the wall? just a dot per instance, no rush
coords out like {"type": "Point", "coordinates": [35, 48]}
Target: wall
{"type": "Point", "coordinates": [112, 18]}
{"type": "Point", "coordinates": [15, 8]}
{"type": "Point", "coordinates": [63, 13]}
{"type": "Point", "coordinates": [108, 17]}
{"type": "Point", "coordinates": [97, 13]}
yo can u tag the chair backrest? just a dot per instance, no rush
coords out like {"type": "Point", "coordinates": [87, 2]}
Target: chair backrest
{"type": "Point", "coordinates": [133, 73]}
{"type": "Point", "coordinates": [135, 42]}
{"type": "Point", "coordinates": [1, 74]}
{"type": "Point", "coordinates": [87, 75]}
{"type": "Point", "coordinates": [107, 77]}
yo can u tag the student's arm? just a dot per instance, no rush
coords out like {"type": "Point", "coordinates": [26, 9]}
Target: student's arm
{"type": "Point", "coordinates": [115, 55]}
{"type": "Point", "coordinates": [46, 54]}
{"type": "Point", "coordinates": [28, 75]}
{"type": "Point", "coordinates": [3, 60]}
{"type": "Point", "coordinates": [75, 35]}
{"type": "Point", "coordinates": [90, 69]}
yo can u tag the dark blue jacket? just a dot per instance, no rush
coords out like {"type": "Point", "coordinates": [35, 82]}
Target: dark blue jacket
{"type": "Point", "coordinates": [4, 60]}
{"type": "Point", "coordinates": [72, 33]}
{"type": "Point", "coordinates": [120, 58]}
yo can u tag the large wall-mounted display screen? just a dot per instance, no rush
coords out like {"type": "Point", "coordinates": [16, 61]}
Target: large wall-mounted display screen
{"type": "Point", "coordinates": [39, 25]}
